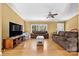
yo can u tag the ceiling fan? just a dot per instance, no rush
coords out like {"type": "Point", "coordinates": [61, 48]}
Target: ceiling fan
{"type": "Point", "coordinates": [51, 15]}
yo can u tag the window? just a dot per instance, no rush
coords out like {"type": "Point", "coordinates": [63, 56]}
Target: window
{"type": "Point", "coordinates": [38, 27]}
{"type": "Point", "coordinates": [60, 27]}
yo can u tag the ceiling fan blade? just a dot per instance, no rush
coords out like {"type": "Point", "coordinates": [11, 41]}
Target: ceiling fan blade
{"type": "Point", "coordinates": [55, 14]}
{"type": "Point", "coordinates": [50, 15]}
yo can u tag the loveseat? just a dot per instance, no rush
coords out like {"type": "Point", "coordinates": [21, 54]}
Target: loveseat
{"type": "Point", "coordinates": [34, 34]}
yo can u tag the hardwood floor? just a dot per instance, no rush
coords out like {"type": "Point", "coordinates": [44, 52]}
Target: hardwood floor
{"type": "Point", "coordinates": [78, 53]}
{"type": "Point", "coordinates": [0, 54]}
{"type": "Point", "coordinates": [29, 48]}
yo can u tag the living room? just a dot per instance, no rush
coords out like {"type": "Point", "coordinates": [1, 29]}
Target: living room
{"type": "Point", "coordinates": [33, 28]}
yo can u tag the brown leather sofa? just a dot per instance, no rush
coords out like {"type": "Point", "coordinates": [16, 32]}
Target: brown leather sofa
{"type": "Point", "coordinates": [40, 33]}
{"type": "Point", "coordinates": [67, 39]}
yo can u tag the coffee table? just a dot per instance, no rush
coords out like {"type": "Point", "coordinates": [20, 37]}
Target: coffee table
{"type": "Point", "coordinates": [40, 40]}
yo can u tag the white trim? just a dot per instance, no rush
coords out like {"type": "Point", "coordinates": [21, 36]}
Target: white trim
{"type": "Point", "coordinates": [15, 10]}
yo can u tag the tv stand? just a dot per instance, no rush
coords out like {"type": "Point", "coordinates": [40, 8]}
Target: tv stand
{"type": "Point", "coordinates": [12, 42]}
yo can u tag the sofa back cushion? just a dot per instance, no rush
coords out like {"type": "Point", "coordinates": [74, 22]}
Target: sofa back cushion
{"type": "Point", "coordinates": [61, 33]}
{"type": "Point", "coordinates": [71, 34]}
{"type": "Point", "coordinates": [40, 32]}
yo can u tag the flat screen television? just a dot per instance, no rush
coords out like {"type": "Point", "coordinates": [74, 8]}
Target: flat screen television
{"type": "Point", "coordinates": [15, 29]}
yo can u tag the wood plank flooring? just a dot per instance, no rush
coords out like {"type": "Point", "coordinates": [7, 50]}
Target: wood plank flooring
{"type": "Point", "coordinates": [78, 53]}
{"type": "Point", "coordinates": [0, 54]}
{"type": "Point", "coordinates": [30, 48]}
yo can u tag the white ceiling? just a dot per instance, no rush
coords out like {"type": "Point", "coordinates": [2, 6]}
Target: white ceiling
{"type": "Point", "coordinates": [39, 11]}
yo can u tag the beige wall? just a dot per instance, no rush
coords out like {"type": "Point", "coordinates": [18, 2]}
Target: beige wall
{"type": "Point", "coordinates": [78, 17]}
{"type": "Point", "coordinates": [0, 27]}
{"type": "Point", "coordinates": [51, 26]}
{"type": "Point", "coordinates": [72, 23]}
{"type": "Point", "coordinates": [9, 16]}
{"type": "Point", "coordinates": [78, 26]}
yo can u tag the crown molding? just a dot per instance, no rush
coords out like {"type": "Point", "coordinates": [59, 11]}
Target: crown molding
{"type": "Point", "coordinates": [15, 10]}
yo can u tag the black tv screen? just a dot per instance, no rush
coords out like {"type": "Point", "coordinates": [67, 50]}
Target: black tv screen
{"type": "Point", "coordinates": [15, 29]}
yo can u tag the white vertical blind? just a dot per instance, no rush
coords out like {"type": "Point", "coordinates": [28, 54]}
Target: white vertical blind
{"type": "Point", "coordinates": [60, 27]}
{"type": "Point", "coordinates": [39, 27]}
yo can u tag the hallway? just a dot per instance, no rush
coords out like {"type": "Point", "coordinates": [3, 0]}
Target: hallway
{"type": "Point", "coordinates": [29, 48]}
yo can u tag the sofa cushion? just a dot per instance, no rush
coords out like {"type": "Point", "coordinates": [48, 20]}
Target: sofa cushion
{"type": "Point", "coordinates": [61, 33]}
{"type": "Point", "coordinates": [40, 32]}
{"type": "Point", "coordinates": [71, 34]}
{"type": "Point", "coordinates": [62, 38]}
